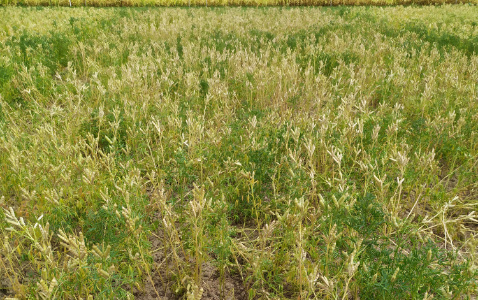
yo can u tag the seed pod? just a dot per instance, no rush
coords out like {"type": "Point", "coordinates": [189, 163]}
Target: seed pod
{"type": "Point", "coordinates": [365, 268]}
{"type": "Point", "coordinates": [104, 274]}
{"type": "Point", "coordinates": [394, 276]}
{"type": "Point", "coordinates": [321, 201]}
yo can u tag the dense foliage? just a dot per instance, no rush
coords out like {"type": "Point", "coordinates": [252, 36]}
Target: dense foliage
{"type": "Point", "coordinates": [239, 153]}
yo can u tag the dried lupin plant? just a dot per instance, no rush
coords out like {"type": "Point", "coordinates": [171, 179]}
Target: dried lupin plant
{"type": "Point", "coordinates": [303, 153]}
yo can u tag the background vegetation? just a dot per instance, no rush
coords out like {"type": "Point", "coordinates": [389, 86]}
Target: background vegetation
{"type": "Point", "coordinates": [239, 153]}
{"type": "Point", "coordinates": [143, 3]}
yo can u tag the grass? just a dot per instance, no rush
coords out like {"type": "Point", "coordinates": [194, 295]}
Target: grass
{"type": "Point", "coordinates": [307, 153]}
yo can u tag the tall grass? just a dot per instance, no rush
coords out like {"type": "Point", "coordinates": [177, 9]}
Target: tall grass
{"type": "Point", "coordinates": [238, 153]}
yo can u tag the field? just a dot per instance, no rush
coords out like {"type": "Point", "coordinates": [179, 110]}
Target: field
{"type": "Point", "coordinates": [262, 3]}
{"type": "Point", "coordinates": [239, 153]}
